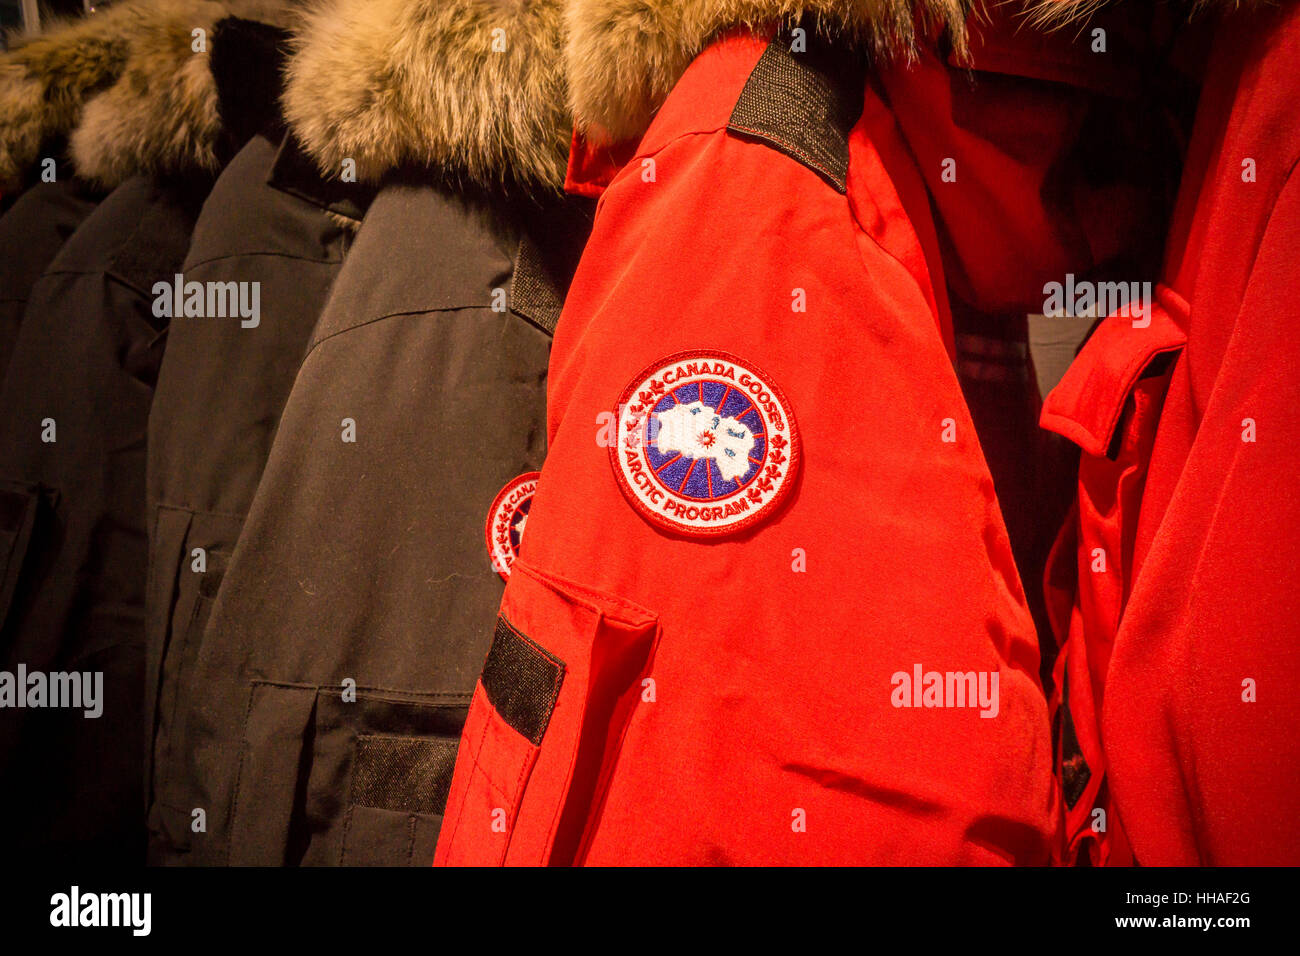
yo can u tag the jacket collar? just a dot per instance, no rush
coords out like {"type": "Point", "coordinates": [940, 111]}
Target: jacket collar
{"type": "Point", "coordinates": [471, 88]}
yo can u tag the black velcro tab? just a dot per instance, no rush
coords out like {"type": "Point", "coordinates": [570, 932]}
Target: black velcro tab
{"type": "Point", "coordinates": [410, 774]}
{"type": "Point", "coordinates": [804, 104]}
{"type": "Point", "coordinates": [549, 249]}
{"type": "Point", "coordinates": [533, 292]}
{"type": "Point", "coordinates": [522, 681]}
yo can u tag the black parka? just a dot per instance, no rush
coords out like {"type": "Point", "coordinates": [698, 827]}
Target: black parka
{"type": "Point", "coordinates": [328, 689]}
{"type": "Point", "coordinates": [73, 415]}
{"type": "Point", "coordinates": [76, 400]}
{"type": "Point", "coordinates": [272, 221]}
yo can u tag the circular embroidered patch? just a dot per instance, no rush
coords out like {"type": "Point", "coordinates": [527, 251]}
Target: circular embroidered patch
{"type": "Point", "coordinates": [707, 444]}
{"type": "Point", "coordinates": [506, 520]}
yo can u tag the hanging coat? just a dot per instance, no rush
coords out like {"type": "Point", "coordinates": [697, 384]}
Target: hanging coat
{"type": "Point", "coordinates": [355, 610]}
{"type": "Point", "coordinates": [45, 81]}
{"type": "Point", "coordinates": [766, 610]}
{"type": "Point", "coordinates": [1175, 581]}
{"type": "Point", "coordinates": [273, 233]}
{"type": "Point", "coordinates": [72, 441]}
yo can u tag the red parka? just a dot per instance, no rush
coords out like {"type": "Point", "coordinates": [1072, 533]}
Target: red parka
{"type": "Point", "coordinates": [766, 610]}
{"type": "Point", "coordinates": [1176, 581]}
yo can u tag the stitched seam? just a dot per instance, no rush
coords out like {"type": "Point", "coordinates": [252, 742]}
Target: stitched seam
{"type": "Point", "coordinates": [460, 807]}
{"type": "Point", "coordinates": [781, 144]}
{"type": "Point", "coordinates": [1268, 223]}
{"type": "Point", "coordinates": [603, 784]}
{"type": "Point", "coordinates": [259, 254]}
{"type": "Point", "coordinates": [651, 154]}
{"type": "Point", "coordinates": [197, 511]}
{"type": "Point", "coordinates": [179, 648]}
{"type": "Point", "coordinates": [402, 696]}
{"type": "Point", "coordinates": [404, 313]}
{"type": "Point", "coordinates": [517, 804]}
{"type": "Point", "coordinates": [159, 802]}
{"type": "Point", "coordinates": [555, 582]}
{"type": "Point", "coordinates": [856, 226]}
{"type": "Point", "coordinates": [347, 827]}
{"type": "Point", "coordinates": [563, 800]}
{"type": "Point", "coordinates": [239, 779]}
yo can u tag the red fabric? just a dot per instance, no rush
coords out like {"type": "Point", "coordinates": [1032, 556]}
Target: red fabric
{"type": "Point", "coordinates": [1109, 403]}
{"type": "Point", "coordinates": [1035, 195]}
{"type": "Point", "coordinates": [772, 687]}
{"type": "Point", "coordinates": [593, 167]}
{"type": "Point", "coordinates": [1197, 773]}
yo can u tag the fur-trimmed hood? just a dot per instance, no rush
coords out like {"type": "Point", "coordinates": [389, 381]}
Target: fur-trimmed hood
{"type": "Point", "coordinates": [473, 88]}
{"type": "Point", "coordinates": [124, 86]}
{"type": "Point", "coordinates": [624, 56]}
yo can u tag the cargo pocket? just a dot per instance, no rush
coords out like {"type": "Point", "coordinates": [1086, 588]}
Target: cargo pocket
{"type": "Point", "coordinates": [399, 790]}
{"type": "Point", "coordinates": [329, 777]}
{"type": "Point", "coordinates": [19, 502]}
{"type": "Point", "coordinates": [558, 690]}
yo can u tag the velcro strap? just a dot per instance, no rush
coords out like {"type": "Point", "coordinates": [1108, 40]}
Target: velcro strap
{"type": "Point", "coordinates": [522, 681]}
{"type": "Point", "coordinates": [411, 774]}
{"type": "Point", "coordinates": [804, 103]}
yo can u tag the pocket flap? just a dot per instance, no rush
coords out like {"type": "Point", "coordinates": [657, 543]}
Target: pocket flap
{"type": "Point", "coordinates": [556, 696]}
{"type": "Point", "coordinates": [341, 774]}
{"type": "Point", "coordinates": [1086, 405]}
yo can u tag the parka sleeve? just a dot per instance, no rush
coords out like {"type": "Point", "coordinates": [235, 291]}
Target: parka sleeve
{"type": "Point", "coordinates": [676, 681]}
